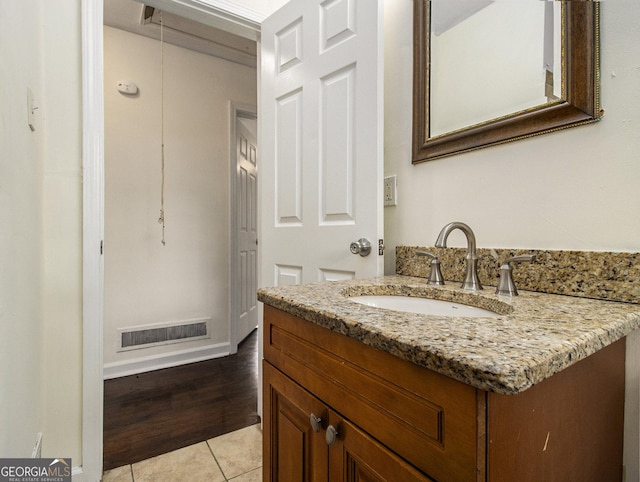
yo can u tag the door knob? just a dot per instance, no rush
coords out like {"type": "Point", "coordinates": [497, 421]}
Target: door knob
{"type": "Point", "coordinates": [361, 247]}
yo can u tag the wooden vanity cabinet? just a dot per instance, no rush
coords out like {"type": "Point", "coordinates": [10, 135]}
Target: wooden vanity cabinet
{"type": "Point", "coordinates": [399, 422]}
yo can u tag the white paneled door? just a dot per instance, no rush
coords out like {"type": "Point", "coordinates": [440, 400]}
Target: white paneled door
{"type": "Point", "coordinates": [247, 194]}
{"type": "Point", "coordinates": [321, 144]}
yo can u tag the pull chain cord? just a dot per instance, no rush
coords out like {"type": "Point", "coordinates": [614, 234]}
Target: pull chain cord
{"type": "Point", "coordinates": [161, 218]}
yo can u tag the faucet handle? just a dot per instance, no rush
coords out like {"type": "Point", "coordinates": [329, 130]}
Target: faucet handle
{"type": "Point", "coordinates": [522, 258]}
{"type": "Point", "coordinates": [421, 252]}
{"type": "Point", "coordinates": [435, 275]}
{"type": "Point", "coordinates": [506, 286]}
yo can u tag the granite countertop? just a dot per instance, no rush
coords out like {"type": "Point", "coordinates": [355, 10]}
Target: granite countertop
{"type": "Point", "coordinates": [535, 335]}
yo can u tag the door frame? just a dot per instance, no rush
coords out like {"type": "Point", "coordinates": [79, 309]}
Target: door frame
{"type": "Point", "coordinates": [223, 14]}
{"type": "Point", "coordinates": [236, 111]}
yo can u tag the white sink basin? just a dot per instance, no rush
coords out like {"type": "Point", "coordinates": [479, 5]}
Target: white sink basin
{"type": "Point", "coordinates": [424, 306]}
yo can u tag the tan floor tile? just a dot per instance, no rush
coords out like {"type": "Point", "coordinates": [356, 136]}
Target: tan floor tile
{"type": "Point", "coordinates": [238, 452]}
{"type": "Point", "coordinates": [253, 476]}
{"type": "Point", "coordinates": [190, 463]}
{"type": "Point", "coordinates": [119, 474]}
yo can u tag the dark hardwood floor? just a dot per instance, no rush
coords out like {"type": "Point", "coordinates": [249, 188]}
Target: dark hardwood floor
{"type": "Point", "coordinates": [156, 412]}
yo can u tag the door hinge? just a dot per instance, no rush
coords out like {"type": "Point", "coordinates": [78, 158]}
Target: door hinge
{"type": "Point", "coordinates": [101, 247]}
{"type": "Point", "coordinates": [380, 247]}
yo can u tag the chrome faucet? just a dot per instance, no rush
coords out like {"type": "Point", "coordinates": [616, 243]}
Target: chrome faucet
{"type": "Point", "coordinates": [471, 281]}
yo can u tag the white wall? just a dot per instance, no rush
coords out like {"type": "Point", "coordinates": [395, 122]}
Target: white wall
{"type": "Point", "coordinates": [188, 278]}
{"type": "Point", "coordinates": [40, 239]}
{"type": "Point", "coordinates": [62, 226]}
{"type": "Point", "coordinates": [21, 240]}
{"type": "Point", "coordinates": [574, 189]}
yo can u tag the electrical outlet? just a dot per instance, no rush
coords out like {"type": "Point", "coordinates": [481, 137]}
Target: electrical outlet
{"type": "Point", "coordinates": [390, 191]}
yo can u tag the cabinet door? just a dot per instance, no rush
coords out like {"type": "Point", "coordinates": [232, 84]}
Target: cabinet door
{"type": "Point", "coordinates": [356, 457]}
{"type": "Point", "coordinates": [292, 450]}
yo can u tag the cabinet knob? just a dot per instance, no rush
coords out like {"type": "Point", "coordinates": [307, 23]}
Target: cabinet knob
{"type": "Point", "coordinates": [332, 435]}
{"type": "Point", "coordinates": [316, 422]}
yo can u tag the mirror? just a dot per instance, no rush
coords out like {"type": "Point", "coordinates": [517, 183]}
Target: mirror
{"type": "Point", "coordinates": [485, 73]}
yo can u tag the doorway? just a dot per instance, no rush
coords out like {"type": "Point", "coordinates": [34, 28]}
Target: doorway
{"type": "Point", "coordinates": [168, 286]}
{"type": "Point", "coordinates": [94, 312]}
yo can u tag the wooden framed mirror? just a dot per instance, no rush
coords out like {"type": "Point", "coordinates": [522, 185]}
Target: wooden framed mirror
{"type": "Point", "coordinates": [577, 103]}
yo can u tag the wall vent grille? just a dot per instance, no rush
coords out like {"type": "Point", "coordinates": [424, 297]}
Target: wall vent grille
{"type": "Point", "coordinates": [145, 337]}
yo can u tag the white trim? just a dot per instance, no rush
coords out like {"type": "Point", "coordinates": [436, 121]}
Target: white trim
{"type": "Point", "coordinates": [78, 475]}
{"type": "Point", "coordinates": [223, 14]}
{"type": "Point", "coordinates": [235, 110]}
{"type": "Point", "coordinates": [164, 360]}
{"type": "Point", "coordinates": [260, 306]}
{"type": "Point", "coordinates": [93, 229]}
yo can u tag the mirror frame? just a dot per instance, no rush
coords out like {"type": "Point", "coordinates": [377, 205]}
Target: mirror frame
{"type": "Point", "coordinates": [580, 103]}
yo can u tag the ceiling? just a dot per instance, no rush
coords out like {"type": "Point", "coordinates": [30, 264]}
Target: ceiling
{"type": "Point", "coordinates": [135, 17]}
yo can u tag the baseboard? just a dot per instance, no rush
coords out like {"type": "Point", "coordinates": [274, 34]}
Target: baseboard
{"type": "Point", "coordinates": [164, 360]}
{"type": "Point", "coordinates": [78, 475]}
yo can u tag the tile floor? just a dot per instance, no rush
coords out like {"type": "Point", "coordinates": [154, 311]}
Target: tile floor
{"type": "Point", "coordinates": [232, 457]}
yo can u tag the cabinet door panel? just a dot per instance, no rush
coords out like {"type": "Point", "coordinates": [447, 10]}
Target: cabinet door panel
{"type": "Point", "coordinates": [293, 452]}
{"type": "Point", "coordinates": [356, 457]}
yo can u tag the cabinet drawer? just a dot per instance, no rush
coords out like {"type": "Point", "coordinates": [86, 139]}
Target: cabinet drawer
{"type": "Point", "coordinates": [428, 419]}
